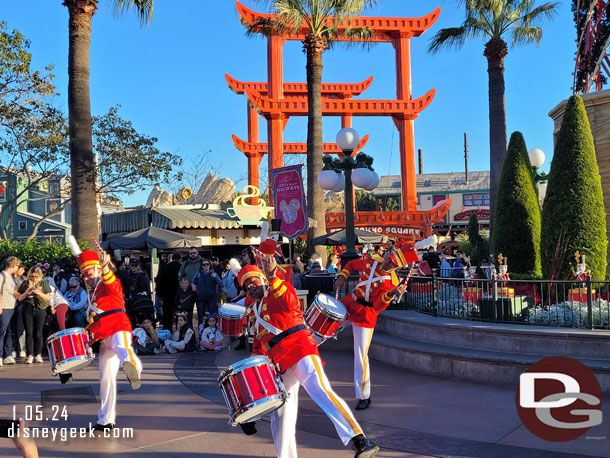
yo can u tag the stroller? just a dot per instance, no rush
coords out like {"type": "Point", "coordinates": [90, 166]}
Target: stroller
{"type": "Point", "coordinates": [140, 305]}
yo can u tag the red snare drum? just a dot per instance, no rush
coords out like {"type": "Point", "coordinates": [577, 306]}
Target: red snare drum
{"type": "Point", "coordinates": [231, 318]}
{"type": "Point", "coordinates": [252, 389]}
{"type": "Point", "coordinates": [325, 315]}
{"type": "Point", "coordinates": [69, 350]}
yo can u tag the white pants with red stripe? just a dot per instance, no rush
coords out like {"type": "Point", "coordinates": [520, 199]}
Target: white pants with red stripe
{"type": "Point", "coordinates": [114, 351]}
{"type": "Point", "coordinates": [309, 373]}
{"type": "Point", "coordinates": [362, 371]}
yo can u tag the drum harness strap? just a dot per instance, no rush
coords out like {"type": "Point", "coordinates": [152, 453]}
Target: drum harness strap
{"type": "Point", "coordinates": [104, 314]}
{"type": "Point", "coordinates": [279, 335]}
{"type": "Point", "coordinates": [288, 332]}
{"type": "Point", "coordinates": [98, 313]}
{"type": "Point", "coordinates": [369, 282]}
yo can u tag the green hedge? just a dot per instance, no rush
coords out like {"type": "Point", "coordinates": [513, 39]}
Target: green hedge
{"type": "Point", "coordinates": [517, 213]}
{"type": "Point", "coordinates": [574, 203]}
{"type": "Point", "coordinates": [33, 252]}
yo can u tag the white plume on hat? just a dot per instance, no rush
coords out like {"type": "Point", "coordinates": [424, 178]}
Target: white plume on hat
{"type": "Point", "coordinates": [431, 241]}
{"type": "Point", "coordinates": [264, 231]}
{"type": "Point", "coordinates": [235, 266]}
{"type": "Point", "coordinates": [74, 248]}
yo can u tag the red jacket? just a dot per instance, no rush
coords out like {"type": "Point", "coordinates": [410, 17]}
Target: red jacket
{"type": "Point", "coordinates": [377, 292]}
{"type": "Point", "coordinates": [282, 309]}
{"type": "Point", "coordinates": [108, 296]}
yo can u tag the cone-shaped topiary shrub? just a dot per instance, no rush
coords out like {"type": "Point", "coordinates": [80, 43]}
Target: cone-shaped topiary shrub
{"type": "Point", "coordinates": [517, 218]}
{"type": "Point", "coordinates": [479, 247]}
{"type": "Point", "coordinates": [574, 201]}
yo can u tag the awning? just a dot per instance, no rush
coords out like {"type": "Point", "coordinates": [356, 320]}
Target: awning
{"type": "Point", "coordinates": [152, 237]}
{"type": "Point", "coordinates": [340, 238]}
{"type": "Point", "coordinates": [127, 221]}
{"type": "Point", "coordinates": [195, 218]}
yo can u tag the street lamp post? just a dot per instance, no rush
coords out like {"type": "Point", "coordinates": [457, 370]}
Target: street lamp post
{"type": "Point", "coordinates": [354, 170]}
{"type": "Point", "coordinates": [537, 158]}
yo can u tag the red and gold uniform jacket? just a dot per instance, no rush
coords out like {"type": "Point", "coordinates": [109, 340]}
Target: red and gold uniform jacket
{"type": "Point", "coordinates": [281, 309]}
{"type": "Point", "coordinates": [372, 289]}
{"type": "Point", "coordinates": [108, 296]}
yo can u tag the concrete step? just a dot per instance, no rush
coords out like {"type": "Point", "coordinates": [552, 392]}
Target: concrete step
{"type": "Point", "coordinates": [476, 365]}
{"type": "Point", "coordinates": [500, 337]}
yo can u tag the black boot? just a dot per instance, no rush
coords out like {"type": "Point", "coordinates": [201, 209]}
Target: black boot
{"type": "Point", "coordinates": [242, 343]}
{"type": "Point", "coordinates": [363, 404]}
{"type": "Point", "coordinates": [65, 378]}
{"type": "Point", "coordinates": [363, 447]}
{"type": "Point", "coordinates": [248, 428]}
{"type": "Point", "coordinates": [102, 428]}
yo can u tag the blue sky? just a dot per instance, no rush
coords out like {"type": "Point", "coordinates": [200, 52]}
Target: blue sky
{"type": "Point", "coordinates": [169, 79]}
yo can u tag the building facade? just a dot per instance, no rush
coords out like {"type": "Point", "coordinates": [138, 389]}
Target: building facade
{"type": "Point", "coordinates": [26, 200]}
{"type": "Point", "coordinates": [469, 194]}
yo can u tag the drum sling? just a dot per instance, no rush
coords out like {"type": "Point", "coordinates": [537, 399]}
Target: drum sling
{"type": "Point", "coordinates": [109, 312]}
{"type": "Point", "coordinates": [273, 342]}
{"type": "Point", "coordinates": [362, 301]}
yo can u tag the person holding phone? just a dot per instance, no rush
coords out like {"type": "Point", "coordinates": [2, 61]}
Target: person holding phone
{"type": "Point", "coordinates": [35, 294]}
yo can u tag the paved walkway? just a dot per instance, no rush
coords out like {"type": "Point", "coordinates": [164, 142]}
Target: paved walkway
{"type": "Point", "coordinates": [179, 412]}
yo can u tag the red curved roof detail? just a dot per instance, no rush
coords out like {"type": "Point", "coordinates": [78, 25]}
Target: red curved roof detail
{"type": "Point", "coordinates": [298, 106]}
{"type": "Point", "coordinates": [293, 89]}
{"type": "Point", "coordinates": [386, 28]}
{"type": "Point", "coordinates": [249, 148]}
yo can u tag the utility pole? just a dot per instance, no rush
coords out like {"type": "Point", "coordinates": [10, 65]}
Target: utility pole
{"type": "Point", "coordinates": [466, 155]}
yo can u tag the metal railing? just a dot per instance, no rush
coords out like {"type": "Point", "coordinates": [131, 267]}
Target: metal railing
{"type": "Point", "coordinates": [542, 302]}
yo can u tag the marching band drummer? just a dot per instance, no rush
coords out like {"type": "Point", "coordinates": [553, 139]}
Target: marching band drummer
{"type": "Point", "coordinates": [281, 335]}
{"type": "Point", "coordinates": [110, 326]}
{"type": "Point", "coordinates": [374, 291]}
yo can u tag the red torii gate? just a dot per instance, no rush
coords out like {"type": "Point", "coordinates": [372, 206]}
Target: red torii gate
{"type": "Point", "coordinates": [276, 107]}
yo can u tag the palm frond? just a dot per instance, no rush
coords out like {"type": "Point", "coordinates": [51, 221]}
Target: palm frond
{"type": "Point", "coordinates": [144, 8]}
{"type": "Point", "coordinates": [265, 27]}
{"type": "Point", "coordinates": [360, 36]}
{"type": "Point", "coordinates": [525, 35]}
{"type": "Point", "coordinates": [540, 13]}
{"type": "Point", "coordinates": [475, 26]}
{"type": "Point", "coordinates": [292, 12]}
{"type": "Point", "coordinates": [453, 37]}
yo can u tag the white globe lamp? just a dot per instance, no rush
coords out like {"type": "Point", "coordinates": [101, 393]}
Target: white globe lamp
{"type": "Point", "coordinates": [328, 179]}
{"type": "Point", "coordinates": [537, 157]}
{"type": "Point", "coordinates": [340, 186]}
{"type": "Point", "coordinates": [374, 181]}
{"type": "Point", "coordinates": [348, 139]}
{"type": "Point", "coordinates": [362, 178]}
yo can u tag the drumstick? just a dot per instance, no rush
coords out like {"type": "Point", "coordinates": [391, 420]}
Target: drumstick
{"type": "Point", "coordinates": [404, 281]}
{"type": "Point", "coordinates": [101, 250]}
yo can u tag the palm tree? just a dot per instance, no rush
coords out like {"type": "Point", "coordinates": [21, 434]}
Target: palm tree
{"type": "Point", "coordinates": [82, 165]}
{"type": "Point", "coordinates": [494, 20]}
{"type": "Point", "coordinates": [291, 15]}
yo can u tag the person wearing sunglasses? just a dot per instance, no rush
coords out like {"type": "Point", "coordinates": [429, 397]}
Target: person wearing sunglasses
{"type": "Point", "coordinates": [77, 301]}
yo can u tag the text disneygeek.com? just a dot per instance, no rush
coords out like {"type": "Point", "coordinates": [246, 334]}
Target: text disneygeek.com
{"type": "Point", "coordinates": [65, 433]}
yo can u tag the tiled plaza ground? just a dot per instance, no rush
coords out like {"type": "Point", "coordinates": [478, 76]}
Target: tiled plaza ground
{"type": "Point", "coordinates": [179, 412]}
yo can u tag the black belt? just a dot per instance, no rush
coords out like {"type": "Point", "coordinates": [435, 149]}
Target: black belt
{"type": "Point", "coordinates": [104, 314]}
{"type": "Point", "coordinates": [273, 342]}
{"type": "Point", "coordinates": [363, 302]}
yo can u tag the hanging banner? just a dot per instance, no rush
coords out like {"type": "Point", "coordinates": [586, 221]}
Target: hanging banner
{"type": "Point", "coordinates": [289, 199]}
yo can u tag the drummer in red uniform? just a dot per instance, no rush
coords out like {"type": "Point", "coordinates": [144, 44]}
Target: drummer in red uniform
{"type": "Point", "coordinates": [109, 325]}
{"type": "Point", "coordinates": [374, 291]}
{"type": "Point", "coordinates": [281, 335]}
